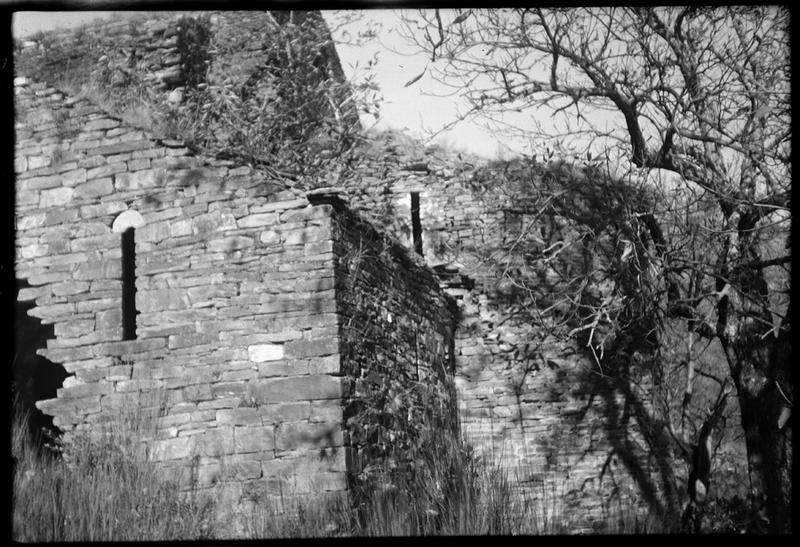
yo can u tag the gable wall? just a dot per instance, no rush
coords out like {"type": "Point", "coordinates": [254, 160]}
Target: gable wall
{"type": "Point", "coordinates": [248, 351]}
{"type": "Point", "coordinates": [237, 331]}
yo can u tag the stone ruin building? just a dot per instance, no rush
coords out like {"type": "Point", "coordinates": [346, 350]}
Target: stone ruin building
{"type": "Point", "coordinates": [260, 319]}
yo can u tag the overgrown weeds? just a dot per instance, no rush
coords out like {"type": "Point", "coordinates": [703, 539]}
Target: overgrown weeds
{"type": "Point", "coordinates": [458, 494]}
{"type": "Point", "coordinates": [98, 488]}
{"type": "Point", "coordinates": [102, 488]}
{"type": "Point", "coordinates": [293, 113]}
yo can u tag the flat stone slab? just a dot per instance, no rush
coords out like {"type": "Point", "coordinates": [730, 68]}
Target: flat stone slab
{"type": "Point", "coordinates": [260, 353]}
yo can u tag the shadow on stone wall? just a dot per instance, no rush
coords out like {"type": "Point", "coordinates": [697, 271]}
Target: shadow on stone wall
{"type": "Point", "coordinates": [605, 435]}
{"type": "Point", "coordinates": [581, 336]}
{"type": "Point", "coordinates": [637, 438]}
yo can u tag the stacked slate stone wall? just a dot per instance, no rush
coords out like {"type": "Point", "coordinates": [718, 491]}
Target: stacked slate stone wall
{"type": "Point", "coordinates": [397, 347]}
{"type": "Point", "coordinates": [249, 319]}
{"type": "Point", "coordinates": [537, 405]}
{"type": "Point", "coordinates": [147, 47]}
{"type": "Point", "coordinates": [236, 330]}
{"type": "Point", "coordinates": [167, 53]}
{"type": "Point", "coordinates": [124, 47]}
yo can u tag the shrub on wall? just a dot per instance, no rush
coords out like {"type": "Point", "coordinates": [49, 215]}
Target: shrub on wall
{"type": "Point", "coordinates": [291, 113]}
{"type": "Point", "coordinates": [273, 99]}
{"type": "Point", "coordinates": [194, 36]}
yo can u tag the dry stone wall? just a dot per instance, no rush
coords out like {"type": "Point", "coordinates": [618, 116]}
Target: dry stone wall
{"type": "Point", "coordinates": [246, 294]}
{"type": "Point", "coordinates": [237, 329]}
{"type": "Point", "coordinates": [397, 346]}
{"type": "Point", "coordinates": [144, 47]}
{"type": "Point", "coordinates": [161, 56]}
{"type": "Point", "coordinates": [123, 48]}
{"type": "Point", "coordinates": [239, 325]}
{"type": "Point", "coordinates": [538, 406]}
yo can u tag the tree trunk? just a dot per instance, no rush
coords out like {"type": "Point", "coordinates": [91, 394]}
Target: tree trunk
{"type": "Point", "coordinates": [762, 384]}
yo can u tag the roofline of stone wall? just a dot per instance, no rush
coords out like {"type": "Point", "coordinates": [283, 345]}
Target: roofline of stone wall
{"type": "Point", "coordinates": [334, 198]}
{"type": "Point", "coordinates": [20, 81]}
{"type": "Point", "coordinates": [125, 16]}
{"type": "Point", "coordinates": [24, 80]}
{"type": "Point", "coordinates": [100, 26]}
{"type": "Point", "coordinates": [331, 195]}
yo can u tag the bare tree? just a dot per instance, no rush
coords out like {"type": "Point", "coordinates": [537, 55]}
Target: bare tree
{"type": "Point", "coordinates": [698, 94]}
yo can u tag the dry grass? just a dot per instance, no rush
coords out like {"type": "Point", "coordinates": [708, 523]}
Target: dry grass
{"type": "Point", "coordinates": [98, 489]}
{"type": "Point", "coordinates": [103, 488]}
{"type": "Point", "coordinates": [458, 495]}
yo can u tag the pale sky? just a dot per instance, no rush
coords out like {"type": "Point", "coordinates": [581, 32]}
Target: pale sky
{"type": "Point", "coordinates": [25, 23]}
{"type": "Point", "coordinates": [413, 109]}
{"type": "Point", "coordinates": [409, 109]}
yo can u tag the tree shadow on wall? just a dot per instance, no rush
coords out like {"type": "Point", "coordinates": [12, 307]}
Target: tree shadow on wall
{"type": "Point", "coordinates": [636, 436]}
{"type": "Point", "coordinates": [605, 413]}
{"type": "Point", "coordinates": [576, 246]}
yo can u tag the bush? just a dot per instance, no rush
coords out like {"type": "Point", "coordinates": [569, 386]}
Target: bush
{"type": "Point", "coordinates": [292, 113]}
{"type": "Point", "coordinates": [733, 515]}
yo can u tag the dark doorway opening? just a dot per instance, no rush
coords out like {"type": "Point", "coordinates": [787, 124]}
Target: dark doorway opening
{"type": "Point", "coordinates": [35, 378]}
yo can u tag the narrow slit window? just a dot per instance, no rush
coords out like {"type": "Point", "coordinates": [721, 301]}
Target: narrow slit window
{"type": "Point", "coordinates": [416, 224]}
{"type": "Point", "coordinates": [129, 284]}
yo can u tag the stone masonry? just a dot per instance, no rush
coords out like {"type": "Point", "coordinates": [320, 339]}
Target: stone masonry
{"type": "Point", "coordinates": [270, 323]}
{"type": "Point", "coordinates": [147, 47]}
{"type": "Point", "coordinates": [533, 404]}
{"type": "Point", "coordinates": [247, 298]}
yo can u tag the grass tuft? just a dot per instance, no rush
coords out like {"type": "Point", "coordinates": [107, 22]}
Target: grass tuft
{"type": "Point", "coordinates": [99, 488]}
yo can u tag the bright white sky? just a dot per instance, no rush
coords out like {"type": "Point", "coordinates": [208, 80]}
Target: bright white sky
{"type": "Point", "coordinates": [415, 109]}
{"type": "Point", "coordinates": [410, 109]}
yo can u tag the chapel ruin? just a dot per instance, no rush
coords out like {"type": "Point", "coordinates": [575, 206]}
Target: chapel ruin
{"type": "Point", "coordinates": [263, 320]}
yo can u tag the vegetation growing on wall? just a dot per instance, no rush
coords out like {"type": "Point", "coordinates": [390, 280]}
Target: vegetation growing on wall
{"type": "Point", "coordinates": [400, 414]}
{"type": "Point", "coordinates": [292, 113]}
{"type": "Point", "coordinates": [680, 106]}
{"type": "Point", "coordinates": [194, 35]}
{"type": "Point", "coordinates": [578, 274]}
{"type": "Point", "coordinates": [575, 251]}
{"type": "Point", "coordinates": [56, 60]}
{"type": "Point", "coordinates": [109, 496]}
{"type": "Point", "coordinates": [88, 63]}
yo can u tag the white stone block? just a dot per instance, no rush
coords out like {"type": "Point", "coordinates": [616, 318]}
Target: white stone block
{"type": "Point", "coordinates": [265, 352]}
